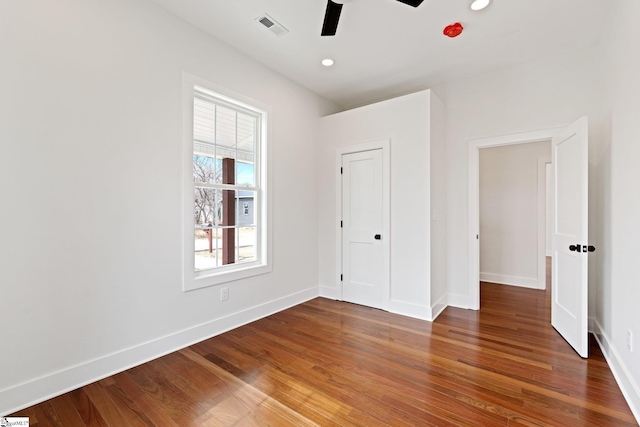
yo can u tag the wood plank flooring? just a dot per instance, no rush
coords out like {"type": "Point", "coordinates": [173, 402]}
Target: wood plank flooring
{"type": "Point", "coordinates": [328, 363]}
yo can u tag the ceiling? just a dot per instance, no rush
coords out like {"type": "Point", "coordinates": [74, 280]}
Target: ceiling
{"type": "Point", "coordinates": [384, 48]}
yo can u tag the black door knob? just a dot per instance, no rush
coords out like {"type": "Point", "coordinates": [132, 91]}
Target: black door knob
{"type": "Point", "coordinates": [575, 248]}
{"type": "Point", "coordinates": [377, 237]}
{"type": "Point", "coordinates": [591, 248]}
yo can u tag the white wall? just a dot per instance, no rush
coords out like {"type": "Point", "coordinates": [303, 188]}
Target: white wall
{"type": "Point", "coordinates": [438, 188]}
{"type": "Point", "coordinates": [90, 177]}
{"type": "Point", "coordinates": [405, 121]}
{"type": "Point", "coordinates": [618, 228]}
{"type": "Point", "coordinates": [533, 96]}
{"type": "Point", "coordinates": [548, 209]}
{"type": "Point", "coordinates": [509, 210]}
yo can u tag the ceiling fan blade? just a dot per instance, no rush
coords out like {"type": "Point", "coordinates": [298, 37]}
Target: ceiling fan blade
{"type": "Point", "coordinates": [414, 3]}
{"type": "Point", "coordinates": [331, 18]}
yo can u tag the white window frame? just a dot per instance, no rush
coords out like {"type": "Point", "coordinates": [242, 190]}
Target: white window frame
{"type": "Point", "coordinates": [262, 205]}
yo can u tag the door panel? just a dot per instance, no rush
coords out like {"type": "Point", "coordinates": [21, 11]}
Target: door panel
{"type": "Point", "coordinates": [362, 204]}
{"type": "Point", "coordinates": [568, 269]}
{"type": "Point", "coordinates": [569, 302]}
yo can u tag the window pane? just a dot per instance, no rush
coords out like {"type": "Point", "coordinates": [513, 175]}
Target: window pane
{"type": "Point", "coordinates": [207, 169]}
{"type": "Point", "coordinates": [245, 202]}
{"type": "Point", "coordinates": [204, 126]}
{"type": "Point", "coordinates": [246, 145]}
{"type": "Point", "coordinates": [207, 253]}
{"type": "Point", "coordinates": [247, 244]}
{"type": "Point", "coordinates": [203, 122]}
{"type": "Point", "coordinates": [207, 207]}
{"type": "Point", "coordinates": [228, 243]}
{"type": "Point", "coordinates": [246, 174]}
{"type": "Point", "coordinates": [226, 133]}
{"type": "Point", "coordinates": [227, 170]}
{"type": "Point", "coordinates": [246, 133]}
{"type": "Point", "coordinates": [210, 244]}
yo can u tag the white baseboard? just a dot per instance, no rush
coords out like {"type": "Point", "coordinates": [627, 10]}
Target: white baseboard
{"type": "Point", "coordinates": [438, 307]}
{"type": "Point", "coordinates": [630, 389]}
{"type": "Point", "coordinates": [329, 292]}
{"type": "Point", "coordinates": [523, 282]}
{"type": "Point", "coordinates": [23, 395]}
{"type": "Point", "coordinates": [397, 307]}
{"type": "Point", "coordinates": [459, 301]}
{"type": "Point", "coordinates": [409, 309]}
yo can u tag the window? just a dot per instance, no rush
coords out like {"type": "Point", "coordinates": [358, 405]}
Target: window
{"type": "Point", "coordinates": [225, 144]}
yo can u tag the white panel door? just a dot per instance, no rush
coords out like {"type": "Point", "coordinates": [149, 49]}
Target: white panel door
{"type": "Point", "coordinates": [362, 224]}
{"type": "Point", "coordinates": [569, 300]}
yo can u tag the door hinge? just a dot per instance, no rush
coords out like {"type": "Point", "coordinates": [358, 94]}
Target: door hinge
{"type": "Point", "coordinates": [341, 277]}
{"type": "Point", "coordinates": [340, 171]}
{"type": "Point", "coordinates": [340, 224]}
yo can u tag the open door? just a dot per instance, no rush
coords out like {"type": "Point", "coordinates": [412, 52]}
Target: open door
{"type": "Point", "coordinates": [569, 298]}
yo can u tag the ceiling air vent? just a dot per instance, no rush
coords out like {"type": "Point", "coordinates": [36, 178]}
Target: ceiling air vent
{"type": "Point", "coordinates": [272, 25]}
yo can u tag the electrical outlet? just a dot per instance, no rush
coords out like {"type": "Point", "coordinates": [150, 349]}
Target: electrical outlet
{"type": "Point", "coordinates": [630, 340]}
{"type": "Point", "coordinates": [224, 294]}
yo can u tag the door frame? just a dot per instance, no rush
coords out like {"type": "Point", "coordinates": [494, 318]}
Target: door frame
{"type": "Point", "coordinates": [474, 199]}
{"type": "Point", "coordinates": [385, 146]}
{"type": "Point", "coordinates": [542, 220]}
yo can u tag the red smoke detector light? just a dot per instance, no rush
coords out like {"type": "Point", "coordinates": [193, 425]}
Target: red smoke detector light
{"type": "Point", "coordinates": [453, 30]}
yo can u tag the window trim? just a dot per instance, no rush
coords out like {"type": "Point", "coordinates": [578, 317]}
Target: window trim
{"type": "Point", "coordinates": [199, 279]}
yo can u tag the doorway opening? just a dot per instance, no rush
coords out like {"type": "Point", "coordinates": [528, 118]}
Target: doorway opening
{"type": "Point", "coordinates": [474, 211]}
{"type": "Point", "coordinates": [513, 215]}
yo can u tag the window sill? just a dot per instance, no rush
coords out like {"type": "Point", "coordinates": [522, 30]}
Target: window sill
{"type": "Point", "coordinates": [206, 278]}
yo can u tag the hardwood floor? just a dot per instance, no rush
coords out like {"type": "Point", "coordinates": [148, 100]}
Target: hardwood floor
{"type": "Point", "coordinates": [330, 363]}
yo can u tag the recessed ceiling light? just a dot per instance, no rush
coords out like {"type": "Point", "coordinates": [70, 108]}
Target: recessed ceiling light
{"type": "Point", "coordinates": [328, 62]}
{"type": "Point", "coordinates": [479, 4]}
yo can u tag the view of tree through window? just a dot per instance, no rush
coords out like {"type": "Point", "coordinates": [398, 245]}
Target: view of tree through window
{"type": "Point", "coordinates": [226, 184]}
